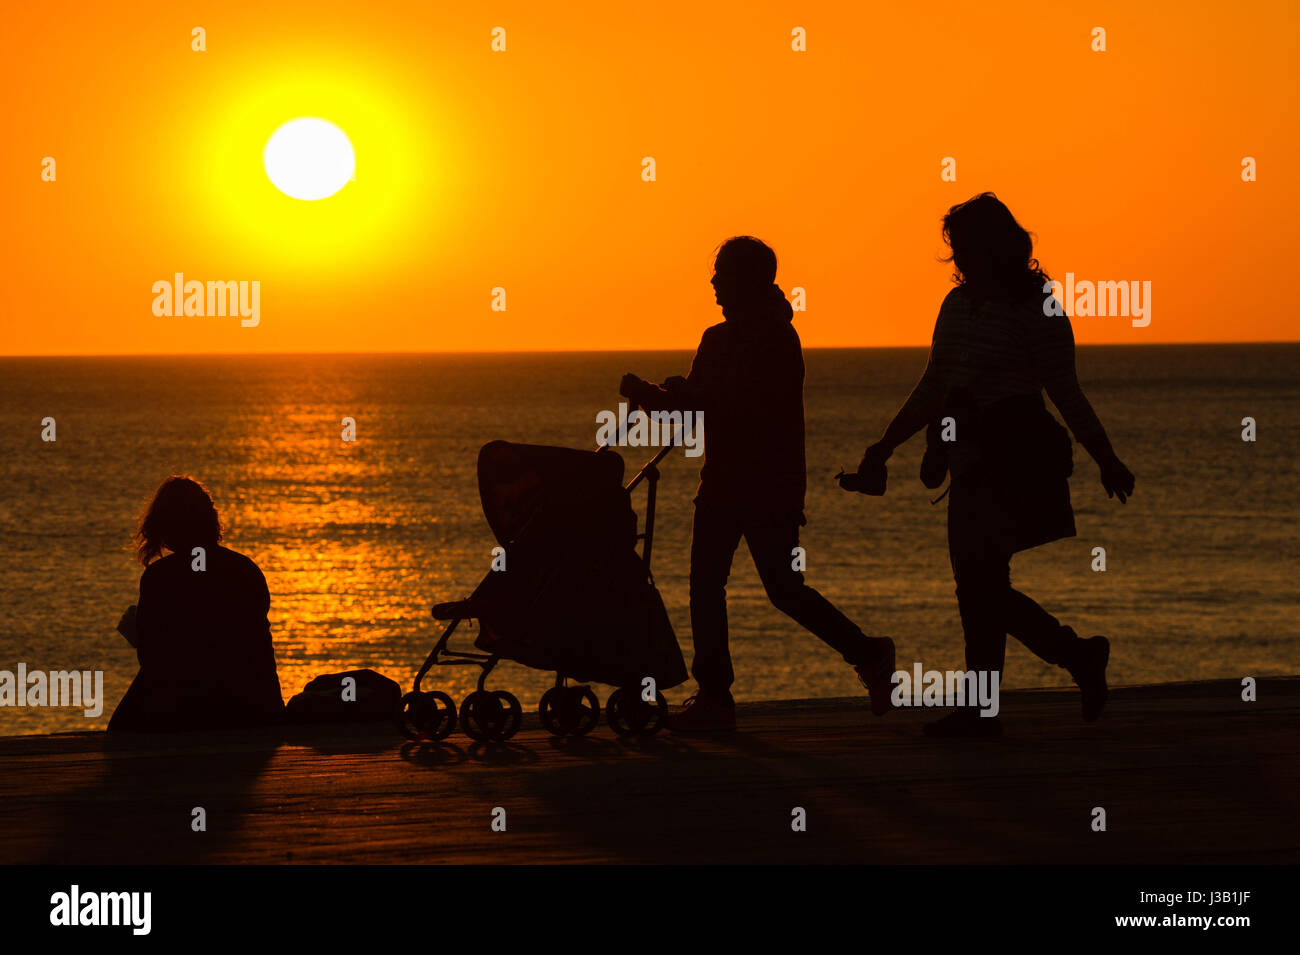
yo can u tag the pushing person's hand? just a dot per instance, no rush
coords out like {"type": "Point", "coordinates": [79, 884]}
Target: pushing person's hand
{"type": "Point", "coordinates": [630, 386]}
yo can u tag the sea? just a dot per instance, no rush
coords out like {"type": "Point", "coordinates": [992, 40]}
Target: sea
{"type": "Point", "coordinates": [358, 539]}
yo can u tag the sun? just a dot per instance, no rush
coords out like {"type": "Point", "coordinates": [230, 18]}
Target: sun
{"type": "Point", "coordinates": [309, 159]}
{"type": "Point", "coordinates": [309, 164]}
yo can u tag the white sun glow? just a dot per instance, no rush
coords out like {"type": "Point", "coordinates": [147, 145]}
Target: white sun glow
{"type": "Point", "coordinates": [309, 159]}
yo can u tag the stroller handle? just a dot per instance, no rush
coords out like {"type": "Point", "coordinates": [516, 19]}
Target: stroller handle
{"type": "Point", "coordinates": [618, 442]}
{"type": "Point", "coordinates": [649, 466]}
{"type": "Point", "coordinates": [621, 433]}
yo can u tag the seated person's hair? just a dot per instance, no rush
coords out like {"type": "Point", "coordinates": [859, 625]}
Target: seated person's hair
{"type": "Point", "coordinates": [180, 516]}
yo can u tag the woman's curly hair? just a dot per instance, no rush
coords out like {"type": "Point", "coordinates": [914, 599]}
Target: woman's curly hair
{"type": "Point", "coordinates": [993, 253]}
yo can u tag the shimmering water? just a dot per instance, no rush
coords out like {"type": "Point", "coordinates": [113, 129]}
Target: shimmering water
{"type": "Point", "coordinates": [358, 540]}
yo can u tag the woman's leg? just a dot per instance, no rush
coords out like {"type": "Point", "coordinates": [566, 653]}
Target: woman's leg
{"type": "Point", "coordinates": [983, 575]}
{"type": "Point", "coordinates": [982, 571]}
{"type": "Point", "coordinates": [1086, 660]}
{"type": "Point", "coordinates": [990, 608]}
{"type": "Point", "coordinates": [1044, 635]}
{"type": "Point", "coordinates": [983, 583]}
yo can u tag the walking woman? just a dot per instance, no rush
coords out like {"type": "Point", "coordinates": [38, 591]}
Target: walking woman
{"type": "Point", "coordinates": [999, 341]}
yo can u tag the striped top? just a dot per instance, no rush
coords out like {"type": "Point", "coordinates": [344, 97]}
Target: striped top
{"type": "Point", "coordinates": [997, 350]}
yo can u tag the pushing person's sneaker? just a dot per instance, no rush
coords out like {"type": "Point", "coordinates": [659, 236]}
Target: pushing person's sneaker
{"type": "Point", "coordinates": [703, 714]}
{"type": "Point", "coordinates": [878, 675]}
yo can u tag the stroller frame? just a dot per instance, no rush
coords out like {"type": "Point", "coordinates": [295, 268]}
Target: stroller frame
{"type": "Point", "coordinates": [497, 714]}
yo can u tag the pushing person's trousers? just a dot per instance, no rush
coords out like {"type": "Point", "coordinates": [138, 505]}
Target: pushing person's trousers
{"type": "Point", "coordinates": [772, 536]}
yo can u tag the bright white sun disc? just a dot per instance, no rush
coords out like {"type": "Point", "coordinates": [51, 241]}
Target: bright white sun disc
{"type": "Point", "coordinates": [309, 159]}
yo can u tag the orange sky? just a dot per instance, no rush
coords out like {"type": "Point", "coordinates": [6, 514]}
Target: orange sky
{"type": "Point", "coordinates": [522, 169]}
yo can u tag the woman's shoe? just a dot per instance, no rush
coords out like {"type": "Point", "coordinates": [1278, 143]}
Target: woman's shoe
{"type": "Point", "coordinates": [1089, 671]}
{"type": "Point", "coordinates": [965, 723]}
{"type": "Point", "coordinates": [878, 677]}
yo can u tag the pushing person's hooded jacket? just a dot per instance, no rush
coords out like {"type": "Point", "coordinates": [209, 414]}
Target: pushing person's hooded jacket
{"type": "Point", "coordinates": [747, 378]}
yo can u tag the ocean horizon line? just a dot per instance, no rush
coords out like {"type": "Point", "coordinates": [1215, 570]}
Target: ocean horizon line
{"type": "Point", "coordinates": [297, 353]}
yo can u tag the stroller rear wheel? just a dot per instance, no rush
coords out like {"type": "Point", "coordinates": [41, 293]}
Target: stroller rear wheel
{"type": "Point", "coordinates": [629, 715]}
{"type": "Point", "coordinates": [492, 715]}
{"type": "Point", "coordinates": [569, 710]}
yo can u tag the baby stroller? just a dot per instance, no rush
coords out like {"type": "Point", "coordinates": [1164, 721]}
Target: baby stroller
{"type": "Point", "coordinates": [574, 597]}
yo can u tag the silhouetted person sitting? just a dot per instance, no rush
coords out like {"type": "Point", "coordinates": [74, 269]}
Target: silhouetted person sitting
{"type": "Point", "coordinates": [994, 352]}
{"type": "Point", "coordinates": [747, 379]}
{"type": "Point", "coordinates": [200, 628]}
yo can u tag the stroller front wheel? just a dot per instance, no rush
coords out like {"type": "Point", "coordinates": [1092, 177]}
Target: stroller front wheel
{"type": "Point", "coordinates": [513, 713]}
{"type": "Point", "coordinates": [581, 710]}
{"type": "Point", "coordinates": [409, 715]}
{"type": "Point", "coordinates": [427, 715]}
{"type": "Point", "coordinates": [548, 710]}
{"type": "Point", "coordinates": [488, 715]}
{"type": "Point", "coordinates": [439, 715]}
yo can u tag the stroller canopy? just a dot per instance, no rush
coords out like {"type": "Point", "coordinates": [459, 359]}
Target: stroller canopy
{"type": "Point", "coordinates": [576, 597]}
{"type": "Point", "coordinates": [520, 483]}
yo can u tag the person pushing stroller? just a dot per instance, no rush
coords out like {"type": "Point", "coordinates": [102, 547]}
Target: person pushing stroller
{"type": "Point", "coordinates": [747, 377]}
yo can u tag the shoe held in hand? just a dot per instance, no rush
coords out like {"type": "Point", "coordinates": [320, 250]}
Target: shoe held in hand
{"type": "Point", "coordinates": [869, 479]}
